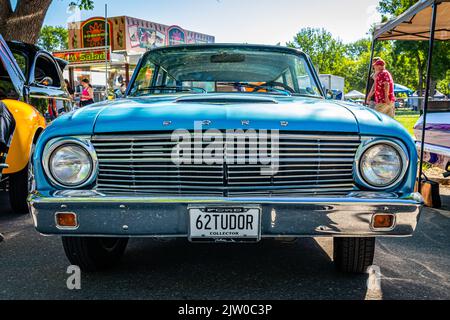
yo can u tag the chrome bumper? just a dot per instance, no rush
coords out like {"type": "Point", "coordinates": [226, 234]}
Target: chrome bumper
{"type": "Point", "coordinates": [350, 216]}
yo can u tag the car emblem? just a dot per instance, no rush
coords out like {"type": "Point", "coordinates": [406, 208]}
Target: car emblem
{"type": "Point", "coordinates": [167, 123]}
{"type": "Point", "coordinates": [245, 122]}
{"type": "Point", "coordinates": [206, 122]}
{"type": "Point", "coordinates": [284, 123]}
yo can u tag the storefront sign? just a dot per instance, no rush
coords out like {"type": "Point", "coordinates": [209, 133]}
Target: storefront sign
{"type": "Point", "coordinates": [84, 56]}
{"type": "Point", "coordinates": [176, 36]}
{"type": "Point", "coordinates": [93, 33]}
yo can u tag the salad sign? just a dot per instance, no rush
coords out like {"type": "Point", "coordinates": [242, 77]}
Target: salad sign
{"type": "Point", "coordinates": [88, 56]}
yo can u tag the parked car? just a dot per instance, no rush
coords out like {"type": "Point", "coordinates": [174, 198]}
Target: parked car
{"type": "Point", "coordinates": [7, 127]}
{"type": "Point", "coordinates": [437, 142]}
{"type": "Point", "coordinates": [32, 88]}
{"type": "Point", "coordinates": [190, 154]}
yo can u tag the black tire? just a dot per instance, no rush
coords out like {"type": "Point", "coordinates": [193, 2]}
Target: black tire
{"type": "Point", "coordinates": [94, 254]}
{"type": "Point", "coordinates": [18, 191]}
{"type": "Point", "coordinates": [354, 255]}
{"type": "Point", "coordinates": [19, 187]}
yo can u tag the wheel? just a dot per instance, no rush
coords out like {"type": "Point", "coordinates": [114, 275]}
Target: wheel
{"type": "Point", "coordinates": [354, 255]}
{"type": "Point", "coordinates": [20, 186]}
{"type": "Point", "coordinates": [94, 254]}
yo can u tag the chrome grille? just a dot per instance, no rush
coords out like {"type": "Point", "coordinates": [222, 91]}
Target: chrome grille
{"type": "Point", "coordinates": [309, 164]}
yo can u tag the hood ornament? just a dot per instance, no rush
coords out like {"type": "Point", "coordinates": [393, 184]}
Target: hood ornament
{"type": "Point", "coordinates": [284, 123]}
{"type": "Point", "coordinates": [206, 122]}
{"type": "Point", "coordinates": [245, 122]}
{"type": "Point", "coordinates": [167, 123]}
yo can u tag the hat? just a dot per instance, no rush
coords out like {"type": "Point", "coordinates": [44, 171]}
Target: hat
{"type": "Point", "coordinates": [380, 63]}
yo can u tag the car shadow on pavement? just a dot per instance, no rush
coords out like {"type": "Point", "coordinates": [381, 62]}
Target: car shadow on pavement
{"type": "Point", "coordinates": [268, 270]}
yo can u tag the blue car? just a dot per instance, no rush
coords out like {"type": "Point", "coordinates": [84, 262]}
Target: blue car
{"type": "Point", "coordinates": [224, 144]}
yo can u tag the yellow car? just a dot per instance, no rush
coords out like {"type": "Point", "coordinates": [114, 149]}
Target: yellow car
{"type": "Point", "coordinates": [33, 90]}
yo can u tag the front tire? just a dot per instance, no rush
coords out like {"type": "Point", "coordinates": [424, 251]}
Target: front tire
{"type": "Point", "coordinates": [354, 255]}
{"type": "Point", "coordinates": [21, 184]}
{"type": "Point", "coordinates": [94, 254]}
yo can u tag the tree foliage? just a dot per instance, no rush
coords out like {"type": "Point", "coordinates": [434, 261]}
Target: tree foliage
{"type": "Point", "coordinates": [405, 59]}
{"type": "Point", "coordinates": [53, 38]}
{"type": "Point", "coordinates": [29, 15]}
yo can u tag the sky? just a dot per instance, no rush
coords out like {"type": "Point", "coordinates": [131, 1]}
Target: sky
{"type": "Point", "coordinates": [241, 21]}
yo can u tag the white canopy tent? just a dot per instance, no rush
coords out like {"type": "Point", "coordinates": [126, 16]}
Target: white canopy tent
{"type": "Point", "coordinates": [355, 95]}
{"type": "Point", "coordinates": [427, 20]}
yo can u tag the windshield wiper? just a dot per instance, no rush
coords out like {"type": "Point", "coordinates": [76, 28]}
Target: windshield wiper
{"type": "Point", "coordinates": [261, 87]}
{"type": "Point", "coordinates": [153, 89]}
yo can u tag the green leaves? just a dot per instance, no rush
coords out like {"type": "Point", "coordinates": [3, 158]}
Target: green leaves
{"type": "Point", "coordinates": [53, 38]}
{"type": "Point", "coordinates": [83, 4]}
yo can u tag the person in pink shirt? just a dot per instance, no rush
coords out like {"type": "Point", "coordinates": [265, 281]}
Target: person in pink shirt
{"type": "Point", "coordinates": [383, 89]}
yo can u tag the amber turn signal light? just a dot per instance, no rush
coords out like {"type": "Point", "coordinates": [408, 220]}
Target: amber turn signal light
{"type": "Point", "coordinates": [66, 220]}
{"type": "Point", "coordinates": [383, 221]}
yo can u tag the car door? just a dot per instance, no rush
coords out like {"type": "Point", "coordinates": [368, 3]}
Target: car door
{"type": "Point", "coordinates": [13, 73]}
{"type": "Point", "coordinates": [47, 90]}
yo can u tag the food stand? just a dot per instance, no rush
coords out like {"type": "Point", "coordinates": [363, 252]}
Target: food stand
{"type": "Point", "coordinates": [99, 50]}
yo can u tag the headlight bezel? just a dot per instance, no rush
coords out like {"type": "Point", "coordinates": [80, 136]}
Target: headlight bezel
{"type": "Point", "coordinates": [398, 146]}
{"type": "Point", "coordinates": [56, 144]}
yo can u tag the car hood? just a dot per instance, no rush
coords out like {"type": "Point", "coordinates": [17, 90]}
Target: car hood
{"type": "Point", "coordinates": [224, 112]}
{"type": "Point", "coordinates": [167, 113]}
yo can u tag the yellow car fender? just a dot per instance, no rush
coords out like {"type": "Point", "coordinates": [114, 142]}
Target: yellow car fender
{"type": "Point", "coordinates": [29, 122]}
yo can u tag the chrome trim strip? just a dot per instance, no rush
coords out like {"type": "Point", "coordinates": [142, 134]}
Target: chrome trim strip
{"type": "Point", "coordinates": [353, 198]}
{"type": "Point", "coordinates": [443, 151]}
{"type": "Point", "coordinates": [291, 136]}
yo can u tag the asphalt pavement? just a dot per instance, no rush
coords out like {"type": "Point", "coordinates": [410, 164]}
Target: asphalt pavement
{"type": "Point", "coordinates": [34, 267]}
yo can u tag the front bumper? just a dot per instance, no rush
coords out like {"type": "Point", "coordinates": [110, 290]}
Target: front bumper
{"type": "Point", "coordinates": [350, 216]}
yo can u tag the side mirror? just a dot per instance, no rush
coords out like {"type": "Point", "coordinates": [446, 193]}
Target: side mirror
{"type": "Point", "coordinates": [118, 94]}
{"type": "Point", "coordinates": [330, 95]}
{"type": "Point", "coordinates": [46, 81]}
{"type": "Point", "coordinates": [334, 95]}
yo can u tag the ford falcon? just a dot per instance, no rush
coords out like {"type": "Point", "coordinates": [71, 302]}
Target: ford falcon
{"type": "Point", "coordinates": [224, 143]}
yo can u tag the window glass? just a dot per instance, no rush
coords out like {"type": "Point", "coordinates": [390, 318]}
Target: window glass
{"type": "Point", "coordinates": [234, 69]}
{"type": "Point", "coordinates": [144, 78]}
{"type": "Point", "coordinates": [46, 73]}
{"type": "Point", "coordinates": [21, 62]}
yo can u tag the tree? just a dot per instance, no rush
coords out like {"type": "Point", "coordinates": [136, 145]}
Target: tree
{"type": "Point", "coordinates": [326, 52]}
{"type": "Point", "coordinates": [416, 52]}
{"type": "Point", "coordinates": [28, 15]}
{"type": "Point", "coordinates": [53, 38]}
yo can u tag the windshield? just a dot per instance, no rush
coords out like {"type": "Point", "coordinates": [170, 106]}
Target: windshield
{"type": "Point", "coordinates": [221, 70]}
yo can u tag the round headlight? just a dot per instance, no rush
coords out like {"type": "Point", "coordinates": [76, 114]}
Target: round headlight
{"type": "Point", "coordinates": [70, 165]}
{"type": "Point", "coordinates": [381, 165]}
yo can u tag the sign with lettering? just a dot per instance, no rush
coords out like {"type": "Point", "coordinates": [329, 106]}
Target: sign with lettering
{"type": "Point", "coordinates": [88, 56]}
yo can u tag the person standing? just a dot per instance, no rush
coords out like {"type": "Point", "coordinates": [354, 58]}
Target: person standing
{"type": "Point", "coordinates": [371, 101]}
{"type": "Point", "coordinates": [87, 95]}
{"type": "Point", "coordinates": [383, 90]}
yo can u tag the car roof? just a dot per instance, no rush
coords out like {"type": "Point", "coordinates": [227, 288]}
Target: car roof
{"type": "Point", "coordinates": [29, 49]}
{"type": "Point", "coordinates": [272, 48]}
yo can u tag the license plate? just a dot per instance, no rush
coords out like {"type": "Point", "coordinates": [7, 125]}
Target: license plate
{"type": "Point", "coordinates": [225, 222]}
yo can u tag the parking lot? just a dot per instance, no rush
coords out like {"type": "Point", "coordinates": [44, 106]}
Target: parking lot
{"type": "Point", "coordinates": [34, 267]}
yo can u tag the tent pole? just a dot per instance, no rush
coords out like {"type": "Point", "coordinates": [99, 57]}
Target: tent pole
{"type": "Point", "coordinates": [370, 67]}
{"type": "Point", "coordinates": [427, 91]}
